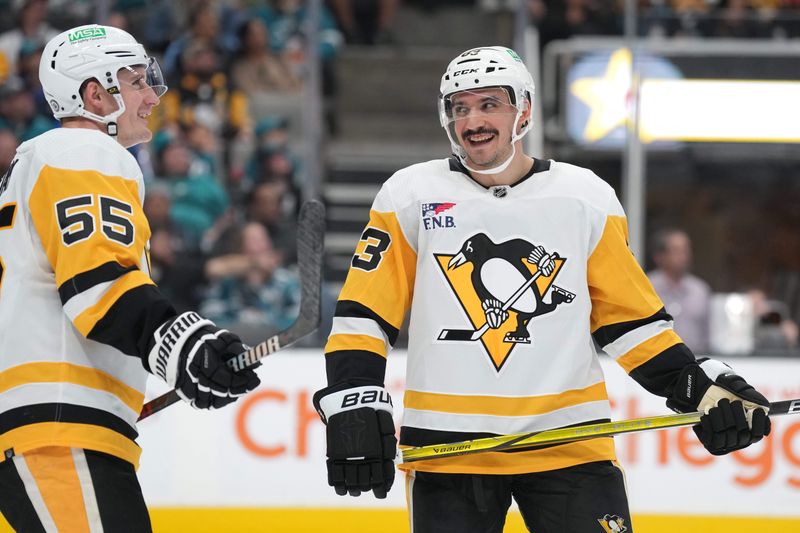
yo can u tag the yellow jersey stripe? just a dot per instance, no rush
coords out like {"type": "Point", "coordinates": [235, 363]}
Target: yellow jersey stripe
{"type": "Point", "coordinates": [56, 477]}
{"type": "Point", "coordinates": [619, 289]}
{"type": "Point", "coordinates": [344, 341]}
{"type": "Point", "coordinates": [91, 316]}
{"type": "Point", "coordinates": [552, 458]}
{"type": "Point", "coordinates": [386, 290]}
{"type": "Point", "coordinates": [648, 349]}
{"type": "Point", "coordinates": [87, 436]}
{"type": "Point", "coordinates": [45, 372]}
{"type": "Point", "coordinates": [503, 406]}
{"type": "Point", "coordinates": [55, 185]}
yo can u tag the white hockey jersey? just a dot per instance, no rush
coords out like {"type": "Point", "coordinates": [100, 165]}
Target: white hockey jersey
{"type": "Point", "coordinates": [76, 299]}
{"type": "Point", "coordinates": [452, 251]}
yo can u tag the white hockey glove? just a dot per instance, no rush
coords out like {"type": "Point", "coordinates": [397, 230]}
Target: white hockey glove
{"type": "Point", "coordinates": [495, 316]}
{"type": "Point", "coordinates": [542, 260]}
{"type": "Point", "coordinates": [736, 415]}
{"type": "Point", "coordinates": [360, 433]}
{"type": "Point", "coordinates": [190, 353]}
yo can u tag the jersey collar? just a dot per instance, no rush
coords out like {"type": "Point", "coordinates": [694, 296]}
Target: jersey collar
{"type": "Point", "coordinates": [539, 165]}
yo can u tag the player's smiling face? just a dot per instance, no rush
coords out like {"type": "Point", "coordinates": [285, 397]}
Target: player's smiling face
{"type": "Point", "coordinates": [140, 99]}
{"type": "Point", "coordinates": [483, 120]}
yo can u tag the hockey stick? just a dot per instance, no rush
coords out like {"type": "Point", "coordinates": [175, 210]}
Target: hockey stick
{"type": "Point", "coordinates": [473, 335]}
{"type": "Point", "coordinates": [310, 245]}
{"type": "Point", "coordinates": [537, 439]}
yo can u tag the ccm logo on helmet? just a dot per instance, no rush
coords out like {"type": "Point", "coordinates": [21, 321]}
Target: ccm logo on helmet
{"type": "Point", "coordinates": [366, 398]}
{"type": "Point", "coordinates": [467, 71]}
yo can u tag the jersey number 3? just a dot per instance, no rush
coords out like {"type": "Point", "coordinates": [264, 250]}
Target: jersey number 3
{"type": "Point", "coordinates": [6, 222]}
{"type": "Point", "coordinates": [376, 243]}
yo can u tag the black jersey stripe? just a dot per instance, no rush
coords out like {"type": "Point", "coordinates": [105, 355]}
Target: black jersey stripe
{"type": "Point", "coordinates": [605, 335]}
{"type": "Point", "coordinates": [130, 322]}
{"type": "Point", "coordinates": [411, 436]}
{"type": "Point", "coordinates": [352, 309]}
{"type": "Point", "coordinates": [659, 374]}
{"type": "Point", "coordinates": [64, 413]}
{"type": "Point", "coordinates": [86, 280]}
{"type": "Point", "coordinates": [347, 364]}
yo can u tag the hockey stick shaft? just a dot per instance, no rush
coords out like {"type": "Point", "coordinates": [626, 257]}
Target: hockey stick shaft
{"type": "Point", "coordinates": [478, 333]}
{"type": "Point", "coordinates": [571, 434]}
{"type": "Point", "coordinates": [310, 247]}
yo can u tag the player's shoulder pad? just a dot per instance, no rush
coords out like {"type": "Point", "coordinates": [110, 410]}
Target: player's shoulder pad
{"type": "Point", "coordinates": [586, 185]}
{"type": "Point", "coordinates": [406, 185]}
{"type": "Point", "coordinates": [79, 149]}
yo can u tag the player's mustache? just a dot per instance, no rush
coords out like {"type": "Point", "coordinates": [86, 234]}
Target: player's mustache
{"type": "Point", "coordinates": [479, 131]}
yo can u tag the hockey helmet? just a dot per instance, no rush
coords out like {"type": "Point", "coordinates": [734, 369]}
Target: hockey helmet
{"type": "Point", "coordinates": [93, 52]}
{"type": "Point", "coordinates": [481, 68]}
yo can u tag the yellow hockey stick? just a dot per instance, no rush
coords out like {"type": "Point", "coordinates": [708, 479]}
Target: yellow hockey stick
{"type": "Point", "coordinates": [548, 437]}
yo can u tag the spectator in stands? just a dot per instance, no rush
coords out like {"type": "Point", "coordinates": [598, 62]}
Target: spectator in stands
{"type": "Point", "coordinates": [561, 20]}
{"type": "Point", "coordinates": [286, 21]}
{"type": "Point", "coordinates": [693, 18]}
{"type": "Point", "coordinates": [205, 147]}
{"type": "Point", "coordinates": [774, 331]}
{"type": "Point", "coordinates": [686, 297]}
{"type": "Point", "coordinates": [176, 263]}
{"type": "Point", "coordinates": [8, 148]}
{"type": "Point", "coordinates": [28, 68]}
{"type": "Point", "coordinates": [32, 27]}
{"type": "Point", "coordinates": [250, 292]}
{"type": "Point", "coordinates": [266, 204]}
{"type": "Point", "coordinates": [366, 22]}
{"type": "Point", "coordinates": [257, 68]}
{"type": "Point", "coordinates": [736, 20]}
{"type": "Point", "coordinates": [198, 200]}
{"type": "Point", "coordinates": [205, 97]}
{"type": "Point", "coordinates": [204, 29]}
{"type": "Point", "coordinates": [18, 111]}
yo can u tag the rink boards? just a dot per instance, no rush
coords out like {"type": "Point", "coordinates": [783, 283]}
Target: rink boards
{"type": "Point", "coordinates": [259, 465]}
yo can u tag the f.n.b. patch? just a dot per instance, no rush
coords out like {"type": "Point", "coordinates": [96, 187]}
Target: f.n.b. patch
{"type": "Point", "coordinates": [433, 217]}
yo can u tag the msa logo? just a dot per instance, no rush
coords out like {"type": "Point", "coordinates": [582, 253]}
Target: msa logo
{"type": "Point", "coordinates": [87, 33]}
{"type": "Point", "coordinates": [466, 71]}
{"type": "Point", "coordinates": [432, 217]}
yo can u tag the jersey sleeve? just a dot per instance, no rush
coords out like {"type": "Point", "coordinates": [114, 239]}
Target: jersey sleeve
{"type": "Point", "coordinates": [628, 319]}
{"type": "Point", "coordinates": [374, 299]}
{"type": "Point", "coordinates": [94, 234]}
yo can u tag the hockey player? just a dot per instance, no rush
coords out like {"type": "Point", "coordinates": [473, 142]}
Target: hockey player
{"type": "Point", "coordinates": [81, 322]}
{"type": "Point", "coordinates": [495, 348]}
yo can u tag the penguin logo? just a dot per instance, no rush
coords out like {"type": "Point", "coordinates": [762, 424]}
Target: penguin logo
{"type": "Point", "coordinates": [501, 288]}
{"type": "Point", "coordinates": [613, 524]}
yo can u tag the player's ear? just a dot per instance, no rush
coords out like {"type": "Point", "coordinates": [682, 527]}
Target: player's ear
{"type": "Point", "coordinates": [93, 95]}
{"type": "Point", "coordinates": [526, 115]}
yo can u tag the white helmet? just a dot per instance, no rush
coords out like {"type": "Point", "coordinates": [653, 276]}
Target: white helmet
{"type": "Point", "coordinates": [92, 52]}
{"type": "Point", "coordinates": [480, 68]}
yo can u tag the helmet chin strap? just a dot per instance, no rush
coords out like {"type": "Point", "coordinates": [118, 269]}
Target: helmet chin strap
{"type": "Point", "coordinates": [494, 170]}
{"type": "Point", "coordinates": [110, 120]}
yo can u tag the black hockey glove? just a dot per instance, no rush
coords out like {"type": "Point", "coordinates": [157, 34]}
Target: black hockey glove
{"type": "Point", "coordinates": [190, 353]}
{"type": "Point", "coordinates": [360, 434]}
{"type": "Point", "coordinates": [735, 413]}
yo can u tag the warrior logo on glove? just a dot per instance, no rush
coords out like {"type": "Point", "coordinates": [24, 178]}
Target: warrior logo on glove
{"type": "Point", "coordinates": [502, 286]}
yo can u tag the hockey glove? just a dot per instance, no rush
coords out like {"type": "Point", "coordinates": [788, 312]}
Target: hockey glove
{"type": "Point", "coordinates": [735, 413]}
{"type": "Point", "coordinates": [190, 353]}
{"type": "Point", "coordinates": [360, 434]}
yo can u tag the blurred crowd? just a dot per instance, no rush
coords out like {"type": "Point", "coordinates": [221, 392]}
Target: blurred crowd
{"type": "Point", "coordinates": [222, 172]}
{"type": "Point", "coordinates": [224, 178]}
{"type": "Point", "coordinates": [741, 19]}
